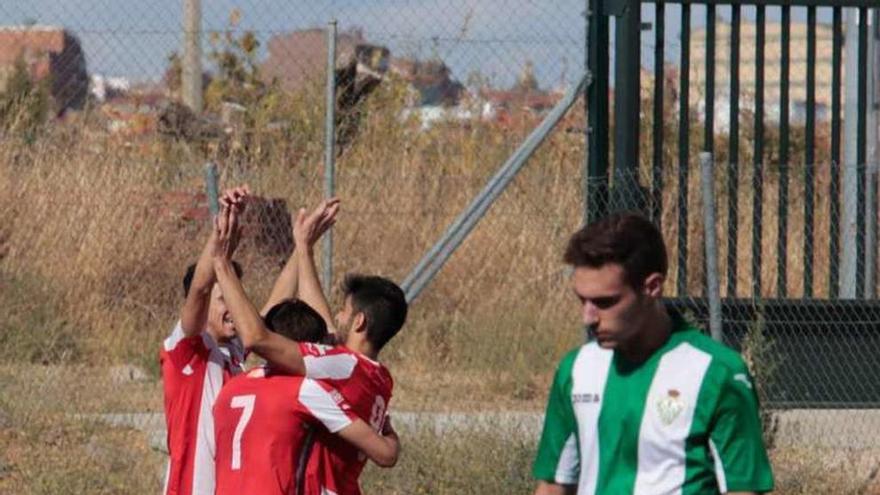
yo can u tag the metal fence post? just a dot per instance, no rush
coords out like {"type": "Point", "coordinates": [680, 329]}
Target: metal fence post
{"type": "Point", "coordinates": [849, 264]}
{"type": "Point", "coordinates": [329, 153]}
{"type": "Point", "coordinates": [212, 180]}
{"type": "Point", "coordinates": [713, 291]}
{"type": "Point", "coordinates": [191, 76]}
{"type": "Point", "coordinates": [596, 173]}
{"type": "Point", "coordinates": [627, 72]}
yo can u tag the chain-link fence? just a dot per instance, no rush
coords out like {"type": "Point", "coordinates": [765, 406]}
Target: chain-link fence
{"type": "Point", "coordinates": [104, 207]}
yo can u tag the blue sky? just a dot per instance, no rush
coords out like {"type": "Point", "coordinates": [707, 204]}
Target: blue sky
{"type": "Point", "coordinates": [132, 38]}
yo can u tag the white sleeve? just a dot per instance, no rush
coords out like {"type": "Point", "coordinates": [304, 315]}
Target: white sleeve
{"type": "Point", "coordinates": [330, 367]}
{"type": "Point", "coordinates": [175, 337]}
{"type": "Point", "coordinates": [323, 406]}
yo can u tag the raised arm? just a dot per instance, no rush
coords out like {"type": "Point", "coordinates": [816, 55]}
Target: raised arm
{"type": "Point", "coordinates": [281, 353]}
{"type": "Point", "coordinates": [285, 285]}
{"type": "Point", "coordinates": [194, 313]}
{"type": "Point", "coordinates": [307, 229]}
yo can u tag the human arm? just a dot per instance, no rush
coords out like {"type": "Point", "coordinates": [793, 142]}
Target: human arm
{"type": "Point", "coordinates": [381, 449]}
{"type": "Point", "coordinates": [557, 464]}
{"type": "Point", "coordinates": [285, 285]}
{"type": "Point", "coordinates": [194, 314]}
{"type": "Point", "coordinates": [547, 488]}
{"type": "Point", "coordinates": [736, 437]}
{"type": "Point", "coordinates": [280, 352]}
{"type": "Point", "coordinates": [307, 229]}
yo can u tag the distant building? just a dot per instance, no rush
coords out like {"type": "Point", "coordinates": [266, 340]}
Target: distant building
{"type": "Point", "coordinates": [430, 79]}
{"type": "Point", "coordinates": [299, 59]}
{"type": "Point", "coordinates": [48, 52]}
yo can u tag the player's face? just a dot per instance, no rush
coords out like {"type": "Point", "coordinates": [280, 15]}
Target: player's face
{"type": "Point", "coordinates": [609, 306]}
{"type": "Point", "coordinates": [344, 319]}
{"type": "Point", "coordinates": [219, 320]}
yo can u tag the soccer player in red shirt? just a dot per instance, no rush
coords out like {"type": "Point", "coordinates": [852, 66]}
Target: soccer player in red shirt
{"type": "Point", "coordinates": [263, 420]}
{"type": "Point", "coordinates": [374, 311]}
{"type": "Point", "coordinates": [201, 353]}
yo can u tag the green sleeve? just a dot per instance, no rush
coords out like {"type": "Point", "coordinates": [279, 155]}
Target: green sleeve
{"type": "Point", "coordinates": [736, 440]}
{"type": "Point", "coordinates": [558, 460]}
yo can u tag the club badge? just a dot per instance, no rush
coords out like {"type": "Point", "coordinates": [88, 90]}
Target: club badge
{"type": "Point", "coordinates": [670, 406]}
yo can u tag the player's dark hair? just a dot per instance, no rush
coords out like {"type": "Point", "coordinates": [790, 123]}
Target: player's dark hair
{"type": "Point", "coordinates": [627, 239]}
{"type": "Point", "coordinates": [381, 301]}
{"type": "Point", "coordinates": [297, 321]}
{"type": "Point", "coordinates": [191, 271]}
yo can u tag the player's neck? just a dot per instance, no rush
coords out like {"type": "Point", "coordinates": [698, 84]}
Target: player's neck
{"type": "Point", "coordinates": [362, 346]}
{"type": "Point", "coordinates": [655, 331]}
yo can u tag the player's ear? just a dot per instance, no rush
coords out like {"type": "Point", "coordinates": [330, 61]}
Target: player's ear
{"type": "Point", "coordinates": [359, 322]}
{"type": "Point", "coordinates": [653, 285]}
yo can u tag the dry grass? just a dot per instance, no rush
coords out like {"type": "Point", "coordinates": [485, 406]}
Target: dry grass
{"type": "Point", "coordinates": [90, 263]}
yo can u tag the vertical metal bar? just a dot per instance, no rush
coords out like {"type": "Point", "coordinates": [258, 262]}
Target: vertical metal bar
{"type": "Point", "coordinates": [733, 166]}
{"type": "Point", "coordinates": [871, 157]}
{"type": "Point", "coordinates": [191, 74]}
{"type": "Point", "coordinates": [757, 199]}
{"type": "Point", "coordinates": [709, 125]}
{"type": "Point", "coordinates": [627, 72]}
{"type": "Point", "coordinates": [709, 110]}
{"type": "Point", "coordinates": [871, 230]}
{"type": "Point", "coordinates": [597, 112]}
{"type": "Point", "coordinates": [849, 256]}
{"type": "Point", "coordinates": [861, 151]}
{"type": "Point", "coordinates": [212, 180]}
{"type": "Point", "coordinates": [834, 186]}
{"type": "Point", "coordinates": [782, 209]}
{"type": "Point", "coordinates": [659, 123]}
{"type": "Point", "coordinates": [712, 289]}
{"type": "Point", "coordinates": [683, 144]}
{"type": "Point", "coordinates": [329, 153]}
{"type": "Point", "coordinates": [809, 152]}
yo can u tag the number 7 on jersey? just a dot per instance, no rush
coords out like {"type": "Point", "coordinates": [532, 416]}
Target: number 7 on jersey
{"type": "Point", "coordinates": [245, 402]}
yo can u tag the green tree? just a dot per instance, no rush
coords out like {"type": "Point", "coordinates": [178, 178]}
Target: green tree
{"type": "Point", "coordinates": [24, 104]}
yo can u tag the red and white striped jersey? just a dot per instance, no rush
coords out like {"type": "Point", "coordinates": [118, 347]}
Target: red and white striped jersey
{"type": "Point", "coordinates": [193, 371]}
{"type": "Point", "coordinates": [334, 465]}
{"type": "Point", "coordinates": [262, 424]}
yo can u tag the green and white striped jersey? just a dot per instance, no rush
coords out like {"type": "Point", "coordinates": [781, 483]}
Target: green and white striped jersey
{"type": "Point", "coordinates": [685, 421]}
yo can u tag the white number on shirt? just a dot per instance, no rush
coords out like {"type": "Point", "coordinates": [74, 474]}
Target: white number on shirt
{"type": "Point", "coordinates": [245, 402]}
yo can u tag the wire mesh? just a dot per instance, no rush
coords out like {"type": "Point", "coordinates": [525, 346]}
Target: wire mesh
{"type": "Point", "coordinates": [104, 206]}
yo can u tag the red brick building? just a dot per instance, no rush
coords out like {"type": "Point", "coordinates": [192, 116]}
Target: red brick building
{"type": "Point", "coordinates": [48, 52]}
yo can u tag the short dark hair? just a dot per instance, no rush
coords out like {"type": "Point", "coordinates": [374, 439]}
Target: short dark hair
{"type": "Point", "coordinates": [297, 321]}
{"type": "Point", "coordinates": [627, 239]}
{"type": "Point", "coordinates": [191, 271]}
{"type": "Point", "coordinates": [381, 301]}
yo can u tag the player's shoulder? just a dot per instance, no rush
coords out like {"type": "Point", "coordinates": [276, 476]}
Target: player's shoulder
{"type": "Point", "coordinates": [176, 336]}
{"type": "Point", "coordinates": [569, 357]}
{"type": "Point", "coordinates": [587, 351]}
{"type": "Point", "coordinates": [318, 350]}
{"type": "Point", "coordinates": [723, 357]}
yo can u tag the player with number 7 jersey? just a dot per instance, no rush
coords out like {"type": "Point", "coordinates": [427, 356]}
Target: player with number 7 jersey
{"type": "Point", "coordinates": [334, 465]}
{"type": "Point", "coordinates": [262, 423]}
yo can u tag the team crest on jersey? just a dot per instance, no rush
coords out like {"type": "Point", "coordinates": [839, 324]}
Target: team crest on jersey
{"type": "Point", "coordinates": [670, 406]}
